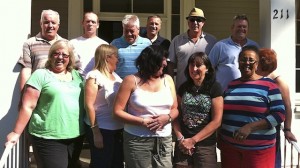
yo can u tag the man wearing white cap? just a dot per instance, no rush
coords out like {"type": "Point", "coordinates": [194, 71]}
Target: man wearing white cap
{"type": "Point", "coordinates": [185, 44]}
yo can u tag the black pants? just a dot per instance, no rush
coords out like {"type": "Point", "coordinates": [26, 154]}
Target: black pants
{"type": "Point", "coordinates": [50, 153]}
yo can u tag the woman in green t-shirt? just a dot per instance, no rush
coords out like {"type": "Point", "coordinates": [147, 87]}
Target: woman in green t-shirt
{"type": "Point", "coordinates": [52, 106]}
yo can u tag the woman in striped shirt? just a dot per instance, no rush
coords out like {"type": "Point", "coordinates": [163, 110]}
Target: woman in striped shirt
{"type": "Point", "coordinates": [253, 107]}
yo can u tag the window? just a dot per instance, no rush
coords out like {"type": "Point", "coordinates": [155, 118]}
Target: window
{"type": "Point", "coordinates": [109, 30]}
{"type": "Point", "coordinates": [132, 6]}
{"type": "Point", "coordinates": [175, 18]}
{"type": "Point", "coordinates": [111, 12]}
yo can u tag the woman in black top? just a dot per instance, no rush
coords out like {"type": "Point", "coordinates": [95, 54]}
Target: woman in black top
{"type": "Point", "coordinates": [201, 106]}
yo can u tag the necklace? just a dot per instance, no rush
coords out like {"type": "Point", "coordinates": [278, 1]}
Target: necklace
{"type": "Point", "coordinates": [196, 88]}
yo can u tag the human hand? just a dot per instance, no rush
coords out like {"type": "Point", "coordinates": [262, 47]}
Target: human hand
{"type": "Point", "coordinates": [290, 136]}
{"type": "Point", "coordinates": [12, 138]}
{"type": "Point", "coordinates": [187, 146]}
{"type": "Point", "coordinates": [147, 121]}
{"type": "Point", "coordinates": [98, 138]}
{"type": "Point", "coordinates": [158, 122]}
{"type": "Point", "coordinates": [242, 133]}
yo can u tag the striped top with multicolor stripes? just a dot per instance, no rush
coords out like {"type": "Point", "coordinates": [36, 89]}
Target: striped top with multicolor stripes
{"type": "Point", "coordinates": [250, 101]}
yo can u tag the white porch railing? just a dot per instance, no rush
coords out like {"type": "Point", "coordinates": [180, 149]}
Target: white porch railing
{"type": "Point", "coordinates": [291, 149]}
{"type": "Point", "coordinates": [13, 154]}
{"type": "Point", "coordinates": [10, 156]}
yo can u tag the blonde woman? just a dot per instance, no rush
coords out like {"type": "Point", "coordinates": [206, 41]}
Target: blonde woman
{"type": "Point", "coordinates": [105, 132]}
{"type": "Point", "coordinates": [52, 105]}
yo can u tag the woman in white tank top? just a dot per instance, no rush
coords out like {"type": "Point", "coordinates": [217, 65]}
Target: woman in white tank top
{"type": "Point", "coordinates": [146, 102]}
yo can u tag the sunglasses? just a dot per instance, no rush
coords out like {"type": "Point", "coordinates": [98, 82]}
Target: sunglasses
{"type": "Point", "coordinates": [197, 19]}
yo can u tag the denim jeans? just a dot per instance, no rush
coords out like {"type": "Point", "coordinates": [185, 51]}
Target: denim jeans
{"type": "Point", "coordinates": [147, 152]}
{"type": "Point", "coordinates": [111, 155]}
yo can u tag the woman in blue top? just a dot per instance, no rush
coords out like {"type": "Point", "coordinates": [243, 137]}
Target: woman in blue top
{"type": "Point", "coordinates": [52, 105]}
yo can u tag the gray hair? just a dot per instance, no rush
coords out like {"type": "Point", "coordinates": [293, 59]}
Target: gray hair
{"type": "Point", "coordinates": [49, 12]}
{"type": "Point", "coordinates": [131, 20]}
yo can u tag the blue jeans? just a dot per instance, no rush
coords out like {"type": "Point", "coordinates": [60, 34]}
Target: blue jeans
{"type": "Point", "coordinates": [111, 155]}
{"type": "Point", "coordinates": [61, 153]}
{"type": "Point", "coordinates": [147, 152]}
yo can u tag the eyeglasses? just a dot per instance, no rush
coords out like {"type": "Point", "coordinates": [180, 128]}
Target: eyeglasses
{"type": "Point", "coordinates": [244, 61]}
{"type": "Point", "coordinates": [198, 19]}
{"type": "Point", "coordinates": [62, 54]}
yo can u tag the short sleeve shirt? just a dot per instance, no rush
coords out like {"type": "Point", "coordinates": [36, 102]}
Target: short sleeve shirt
{"type": "Point", "coordinates": [224, 58]}
{"type": "Point", "coordinates": [35, 52]}
{"type": "Point", "coordinates": [195, 112]}
{"type": "Point", "coordinates": [59, 112]}
{"type": "Point", "coordinates": [85, 48]}
{"type": "Point", "coordinates": [182, 47]}
{"type": "Point", "coordinates": [105, 99]}
{"type": "Point", "coordinates": [128, 53]}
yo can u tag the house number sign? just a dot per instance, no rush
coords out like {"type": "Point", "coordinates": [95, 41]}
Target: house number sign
{"type": "Point", "coordinates": [281, 14]}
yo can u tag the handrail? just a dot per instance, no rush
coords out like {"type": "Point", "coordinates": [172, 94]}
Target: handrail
{"type": "Point", "coordinates": [10, 156]}
{"type": "Point", "coordinates": [294, 148]}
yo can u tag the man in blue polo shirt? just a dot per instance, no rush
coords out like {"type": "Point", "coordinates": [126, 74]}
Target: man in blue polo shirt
{"type": "Point", "coordinates": [224, 55]}
{"type": "Point", "coordinates": [129, 45]}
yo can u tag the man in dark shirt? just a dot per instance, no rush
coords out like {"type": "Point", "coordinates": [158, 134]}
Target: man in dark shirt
{"type": "Point", "coordinates": [152, 32]}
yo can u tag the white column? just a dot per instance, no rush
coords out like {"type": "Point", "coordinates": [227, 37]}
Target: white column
{"type": "Point", "coordinates": [16, 16]}
{"type": "Point", "coordinates": [277, 31]}
{"type": "Point", "coordinates": [185, 7]}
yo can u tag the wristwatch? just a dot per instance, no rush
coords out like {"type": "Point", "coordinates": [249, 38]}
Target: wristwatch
{"type": "Point", "coordinates": [170, 118]}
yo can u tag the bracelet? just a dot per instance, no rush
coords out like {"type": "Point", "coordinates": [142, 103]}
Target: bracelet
{"type": "Point", "coordinates": [181, 138]}
{"type": "Point", "coordinates": [286, 129]}
{"type": "Point", "coordinates": [96, 125]}
{"type": "Point", "coordinates": [170, 118]}
{"type": "Point", "coordinates": [16, 132]}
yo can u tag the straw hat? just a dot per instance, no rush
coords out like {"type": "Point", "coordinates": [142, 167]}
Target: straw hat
{"type": "Point", "coordinates": [196, 12]}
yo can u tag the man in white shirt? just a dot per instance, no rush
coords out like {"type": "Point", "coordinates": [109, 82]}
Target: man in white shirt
{"type": "Point", "coordinates": [86, 44]}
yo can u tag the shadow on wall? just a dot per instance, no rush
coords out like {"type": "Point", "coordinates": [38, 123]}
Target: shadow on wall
{"type": "Point", "coordinates": [8, 121]}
